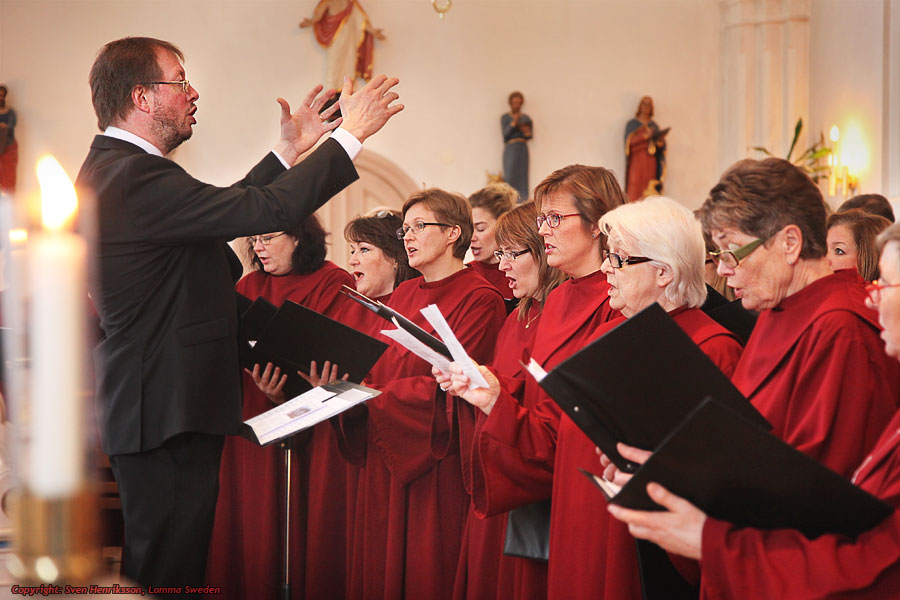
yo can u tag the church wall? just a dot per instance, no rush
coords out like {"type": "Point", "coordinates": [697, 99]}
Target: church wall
{"type": "Point", "coordinates": [582, 65]}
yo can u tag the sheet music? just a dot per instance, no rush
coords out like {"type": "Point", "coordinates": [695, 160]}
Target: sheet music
{"type": "Point", "coordinates": [442, 328]}
{"type": "Point", "coordinates": [408, 341]}
{"type": "Point", "coordinates": [306, 410]}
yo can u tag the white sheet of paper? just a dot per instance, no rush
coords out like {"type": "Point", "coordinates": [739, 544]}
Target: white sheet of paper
{"type": "Point", "coordinates": [406, 339]}
{"type": "Point", "coordinates": [304, 411]}
{"type": "Point", "coordinates": [536, 370]}
{"type": "Point", "coordinates": [442, 328]}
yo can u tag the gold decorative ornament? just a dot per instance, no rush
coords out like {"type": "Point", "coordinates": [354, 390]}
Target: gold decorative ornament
{"type": "Point", "coordinates": [441, 7]}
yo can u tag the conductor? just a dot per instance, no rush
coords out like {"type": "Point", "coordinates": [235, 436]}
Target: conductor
{"type": "Point", "coordinates": [168, 380]}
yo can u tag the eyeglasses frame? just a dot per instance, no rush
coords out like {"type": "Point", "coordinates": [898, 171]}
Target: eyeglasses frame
{"type": "Point", "coordinates": [265, 240]}
{"type": "Point", "coordinates": [184, 83]}
{"type": "Point", "coordinates": [417, 227]}
{"type": "Point", "coordinates": [542, 218]}
{"type": "Point", "coordinates": [509, 255]}
{"type": "Point", "coordinates": [623, 262]}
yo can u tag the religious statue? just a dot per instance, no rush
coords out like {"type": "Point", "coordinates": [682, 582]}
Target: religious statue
{"type": "Point", "coordinates": [645, 153]}
{"type": "Point", "coordinates": [516, 127]}
{"type": "Point", "coordinates": [344, 30]}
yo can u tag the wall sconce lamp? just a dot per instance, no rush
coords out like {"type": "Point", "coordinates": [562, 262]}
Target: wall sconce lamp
{"type": "Point", "coordinates": [839, 174]}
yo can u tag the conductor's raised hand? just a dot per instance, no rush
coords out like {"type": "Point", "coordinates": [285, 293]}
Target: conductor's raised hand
{"type": "Point", "coordinates": [367, 110]}
{"type": "Point", "coordinates": [301, 129]}
{"type": "Point", "coordinates": [270, 381]}
{"type": "Point", "coordinates": [481, 398]}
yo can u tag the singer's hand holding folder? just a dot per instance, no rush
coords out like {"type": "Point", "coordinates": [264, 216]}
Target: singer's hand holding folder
{"type": "Point", "coordinates": [637, 382]}
{"type": "Point", "coordinates": [294, 336]}
{"type": "Point", "coordinates": [734, 471]}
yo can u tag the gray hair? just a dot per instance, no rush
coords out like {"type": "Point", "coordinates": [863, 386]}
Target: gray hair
{"type": "Point", "coordinates": [666, 231]}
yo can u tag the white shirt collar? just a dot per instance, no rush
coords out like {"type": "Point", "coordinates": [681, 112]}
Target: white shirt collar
{"type": "Point", "coordinates": [127, 136]}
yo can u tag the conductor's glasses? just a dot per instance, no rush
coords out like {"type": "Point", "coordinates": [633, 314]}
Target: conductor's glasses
{"type": "Point", "coordinates": [263, 239]}
{"type": "Point", "coordinates": [184, 83]}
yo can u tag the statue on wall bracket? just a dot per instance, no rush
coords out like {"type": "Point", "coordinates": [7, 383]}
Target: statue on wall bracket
{"type": "Point", "coordinates": [344, 30]}
{"type": "Point", "coordinates": [645, 153]}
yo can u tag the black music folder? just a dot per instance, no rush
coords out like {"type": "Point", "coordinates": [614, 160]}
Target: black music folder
{"type": "Point", "coordinates": [736, 472]}
{"type": "Point", "coordinates": [637, 382]}
{"type": "Point", "coordinates": [392, 316]}
{"type": "Point", "coordinates": [296, 335]}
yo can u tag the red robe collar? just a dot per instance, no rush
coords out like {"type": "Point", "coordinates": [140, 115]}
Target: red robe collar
{"type": "Point", "coordinates": [778, 329]}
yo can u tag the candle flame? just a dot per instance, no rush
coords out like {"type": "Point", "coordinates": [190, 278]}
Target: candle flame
{"type": "Point", "coordinates": [835, 133]}
{"type": "Point", "coordinates": [18, 236]}
{"type": "Point", "coordinates": [58, 200]}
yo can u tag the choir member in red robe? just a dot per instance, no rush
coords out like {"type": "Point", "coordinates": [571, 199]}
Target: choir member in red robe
{"type": "Point", "coordinates": [245, 556]}
{"type": "Point", "coordinates": [378, 261]}
{"type": "Point", "coordinates": [517, 453]}
{"type": "Point", "coordinates": [487, 205]}
{"type": "Point", "coordinates": [751, 563]}
{"type": "Point", "coordinates": [484, 572]}
{"type": "Point", "coordinates": [412, 503]}
{"type": "Point", "coordinates": [814, 365]}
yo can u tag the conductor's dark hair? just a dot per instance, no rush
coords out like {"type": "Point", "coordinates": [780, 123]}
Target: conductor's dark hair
{"type": "Point", "coordinates": [119, 66]}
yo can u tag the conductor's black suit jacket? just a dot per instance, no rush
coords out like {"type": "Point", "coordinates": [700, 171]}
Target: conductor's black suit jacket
{"type": "Point", "coordinates": [168, 361]}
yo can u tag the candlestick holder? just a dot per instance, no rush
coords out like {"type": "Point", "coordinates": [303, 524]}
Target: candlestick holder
{"type": "Point", "coordinates": [55, 540]}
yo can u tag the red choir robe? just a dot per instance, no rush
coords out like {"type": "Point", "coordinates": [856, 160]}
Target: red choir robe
{"type": "Point", "coordinates": [246, 548]}
{"type": "Point", "coordinates": [753, 564]}
{"type": "Point", "coordinates": [484, 572]}
{"type": "Point", "coordinates": [494, 275]}
{"type": "Point", "coordinates": [815, 367]}
{"type": "Point", "coordinates": [515, 452]}
{"type": "Point", "coordinates": [411, 503]}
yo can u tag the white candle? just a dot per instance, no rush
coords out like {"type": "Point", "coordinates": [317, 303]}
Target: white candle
{"type": "Point", "coordinates": [56, 268]}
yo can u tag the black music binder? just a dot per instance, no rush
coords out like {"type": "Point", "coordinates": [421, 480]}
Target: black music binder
{"type": "Point", "coordinates": [638, 382]}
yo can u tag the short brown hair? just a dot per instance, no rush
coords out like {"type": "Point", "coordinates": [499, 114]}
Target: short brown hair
{"type": "Point", "coordinates": [380, 230]}
{"type": "Point", "coordinates": [875, 204]}
{"type": "Point", "coordinates": [518, 227]}
{"type": "Point", "coordinates": [119, 66]}
{"type": "Point", "coordinates": [595, 190]}
{"type": "Point", "coordinates": [761, 197]}
{"type": "Point", "coordinates": [448, 208]}
{"type": "Point", "coordinates": [496, 198]}
{"type": "Point", "coordinates": [865, 227]}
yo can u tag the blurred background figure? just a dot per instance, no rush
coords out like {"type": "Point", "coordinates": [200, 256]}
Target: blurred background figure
{"type": "Point", "coordinates": [487, 205]}
{"type": "Point", "coordinates": [517, 130]}
{"type": "Point", "coordinates": [645, 153]}
{"type": "Point", "coordinates": [875, 204]}
{"type": "Point", "coordinates": [9, 149]}
{"type": "Point", "coordinates": [851, 241]}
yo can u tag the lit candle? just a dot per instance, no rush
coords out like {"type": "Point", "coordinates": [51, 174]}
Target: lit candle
{"type": "Point", "coordinates": [56, 268]}
{"type": "Point", "coordinates": [835, 135]}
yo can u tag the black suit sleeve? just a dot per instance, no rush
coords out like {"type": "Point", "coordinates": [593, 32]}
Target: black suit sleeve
{"type": "Point", "coordinates": [167, 205]}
